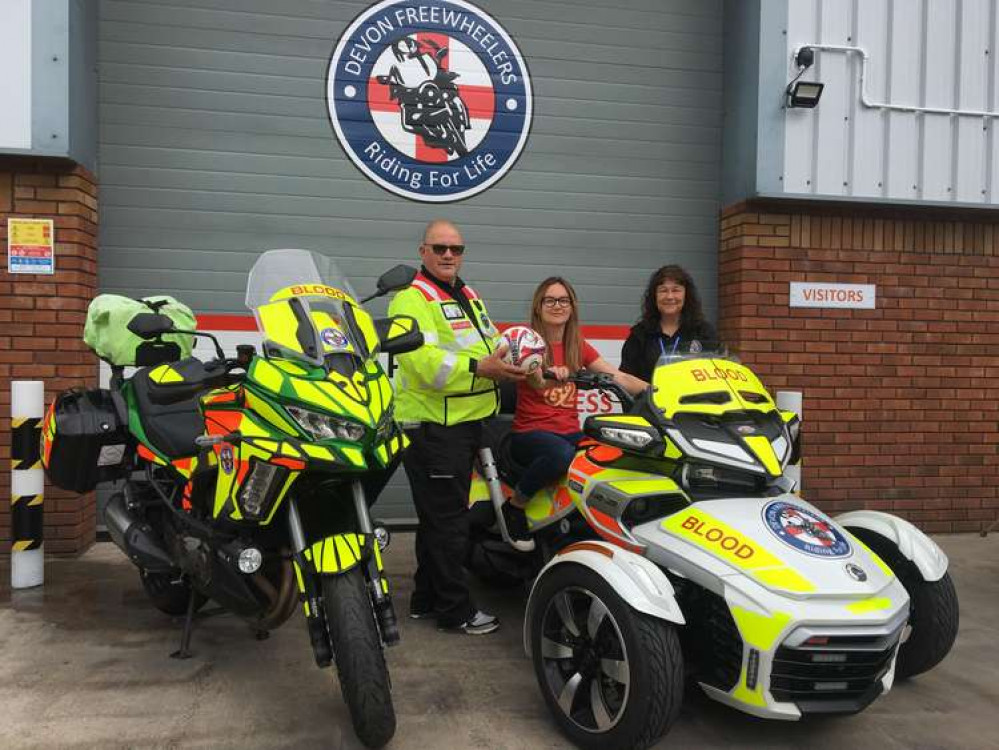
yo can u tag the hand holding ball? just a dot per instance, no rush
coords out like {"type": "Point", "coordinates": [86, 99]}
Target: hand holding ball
{"type": "Point", "coordinates": [525, 348]}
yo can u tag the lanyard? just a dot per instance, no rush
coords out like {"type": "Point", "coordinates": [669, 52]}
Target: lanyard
{"type": "Point", "coordinates": [672, 351]}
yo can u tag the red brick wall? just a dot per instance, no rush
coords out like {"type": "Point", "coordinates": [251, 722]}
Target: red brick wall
{"type": "Point", "coordinates": [901, 403]}
{"type": "Point", "coordinates": [41, 321]}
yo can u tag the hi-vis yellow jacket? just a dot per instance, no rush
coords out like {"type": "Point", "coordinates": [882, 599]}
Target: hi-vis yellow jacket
{"type": "Point", "coordinates": [435, 383]}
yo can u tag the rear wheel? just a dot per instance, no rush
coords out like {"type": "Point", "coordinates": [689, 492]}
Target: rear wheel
{"type": "Point", "coordinates": [360, 663]}
{"type": "Point", "coordinates": [933, 610]}
{"type": "Point", "coordinates": [170, 592]}
{"type": "Point", "coordinates": [612, 677]}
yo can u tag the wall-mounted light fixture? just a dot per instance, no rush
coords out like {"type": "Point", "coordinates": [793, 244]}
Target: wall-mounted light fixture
{"type": "Point", "coordinates": [803, 93]}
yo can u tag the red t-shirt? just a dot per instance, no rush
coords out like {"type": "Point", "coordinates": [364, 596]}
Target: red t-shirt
{"type": "Point", "coordinates": [553, 409]}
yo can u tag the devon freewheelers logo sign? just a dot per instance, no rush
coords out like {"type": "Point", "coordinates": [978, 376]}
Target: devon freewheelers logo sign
{"type": "Point", "coordinates": [804, 530]}
{"type": "Point", "coordinates": [430, 99]}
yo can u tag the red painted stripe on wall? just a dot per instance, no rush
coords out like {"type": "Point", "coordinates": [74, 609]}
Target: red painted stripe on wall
{"type": "Point", "coordinates": [222, 322]}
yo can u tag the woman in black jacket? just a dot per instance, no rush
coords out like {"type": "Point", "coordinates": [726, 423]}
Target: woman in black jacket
{"type": "Point", "coordinates": [672, 322]}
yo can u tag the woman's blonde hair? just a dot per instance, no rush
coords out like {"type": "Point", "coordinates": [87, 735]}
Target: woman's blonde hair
{"type": "Point", "coordinates": [572, 338]}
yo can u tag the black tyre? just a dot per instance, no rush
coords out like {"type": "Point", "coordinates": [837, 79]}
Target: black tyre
{"type": "Point", "coordinates": [360, 663]}
{"type": "Point", "coordinates": [934, 620]}
{"type": "Point", "coordinates": [934, 616]}
{"type": "Point", "coordinates": [169, 592]}
{"type": "Point", "coordinates": [612, 677]}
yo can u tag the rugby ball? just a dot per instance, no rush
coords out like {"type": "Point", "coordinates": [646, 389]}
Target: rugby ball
{"type": "Point", "coordinates": [525, 348]}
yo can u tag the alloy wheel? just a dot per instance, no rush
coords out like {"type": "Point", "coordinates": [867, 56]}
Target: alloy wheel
{"type": "Point", "coordinates": [585, 659]}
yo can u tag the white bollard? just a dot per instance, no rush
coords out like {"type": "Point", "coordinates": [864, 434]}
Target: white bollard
{"type": "Point", "coordinates": [27, 484]}
{"type": "Point", "coordinates": [792, 401]}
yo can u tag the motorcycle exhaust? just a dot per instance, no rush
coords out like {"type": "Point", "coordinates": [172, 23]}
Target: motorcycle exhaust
{"type": "Point", "coordinates": [135, 537]}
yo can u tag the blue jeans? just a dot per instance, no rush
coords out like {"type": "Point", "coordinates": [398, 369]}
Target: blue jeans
{"type": "Point", "coordinates": [546, 455]}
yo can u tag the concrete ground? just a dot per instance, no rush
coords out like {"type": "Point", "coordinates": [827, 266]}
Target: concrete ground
{"type": "Point", "coordinates": [85, 666]}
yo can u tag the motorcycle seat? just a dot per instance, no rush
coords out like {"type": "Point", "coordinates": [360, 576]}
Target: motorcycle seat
{"type": "Point", "coordinates": [171, 428]}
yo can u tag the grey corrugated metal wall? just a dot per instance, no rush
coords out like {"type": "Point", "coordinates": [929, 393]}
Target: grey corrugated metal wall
{"type": "Point", "coordinates": [214, 145]}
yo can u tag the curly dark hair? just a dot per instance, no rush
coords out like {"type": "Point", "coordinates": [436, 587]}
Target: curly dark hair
{"type": "Point", "coordinates": [692, 315]}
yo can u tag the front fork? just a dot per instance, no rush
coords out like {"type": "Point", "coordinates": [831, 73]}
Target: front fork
{"type": "Point", "coordinates": [377, 582]}
{"type": "Point", "coordinates": [312, 599]}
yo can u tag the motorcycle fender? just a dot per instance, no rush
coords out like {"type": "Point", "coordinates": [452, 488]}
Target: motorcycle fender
{"type": "Point", "coordinates": [914, 545]}
{"type": "Point", "coordinates": [340, 552]}
{"type": "Point", "coordinates": [641, 584]}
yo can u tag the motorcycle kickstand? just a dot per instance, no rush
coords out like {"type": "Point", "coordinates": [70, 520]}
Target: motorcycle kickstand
{"type": "Point", "coordinates": [184, 652]}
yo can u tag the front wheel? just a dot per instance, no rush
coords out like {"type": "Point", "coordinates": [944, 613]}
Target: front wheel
{"type": "Point", "coordinates": [612, 677]}
{"type": "Point", "coordinates": [933, 611]}
{"type": "Point", "coordinates": [934, 621]}
{"type": "Point", "coordinates": [360, 663]}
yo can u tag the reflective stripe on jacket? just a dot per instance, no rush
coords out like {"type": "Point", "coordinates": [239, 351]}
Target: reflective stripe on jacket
{"type": "Point", "coordinates": [435, 383]}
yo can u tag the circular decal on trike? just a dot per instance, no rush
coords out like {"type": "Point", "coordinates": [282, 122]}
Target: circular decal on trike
{"type": "Point", "coordinates": [431, 100]}
{"type": "Point", "coordinates": [804, 530]}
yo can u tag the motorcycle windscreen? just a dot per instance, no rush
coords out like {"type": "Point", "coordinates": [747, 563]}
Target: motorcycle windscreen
{"type": "Point", "coordinates": [311, 329]}
{"type": "Point", "coordinates": [295, 272]}
{"type": "Point", "coordinates": [303, 306]}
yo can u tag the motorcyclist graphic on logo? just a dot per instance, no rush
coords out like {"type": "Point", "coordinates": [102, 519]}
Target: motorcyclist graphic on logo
{"type": "Point", "coordinates": [430, 105]}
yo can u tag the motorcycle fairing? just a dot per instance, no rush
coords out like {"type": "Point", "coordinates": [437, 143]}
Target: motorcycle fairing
{"type": "Point", "coordinates": [732, 533]}
{"type": "Point", "coordinates": [715, 386]}
{"type": "Point", "coordinates": [778, 597]}
{"type": "Point", "coordinates": [602, 493]}
{"type": "Point", "coordinates": [366, 397]}
{"type": "Point", "coordinates": [741, 425]}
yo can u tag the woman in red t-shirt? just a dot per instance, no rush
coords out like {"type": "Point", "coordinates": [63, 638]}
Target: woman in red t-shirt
{"type": "Point", "coordinates": [546, 424]}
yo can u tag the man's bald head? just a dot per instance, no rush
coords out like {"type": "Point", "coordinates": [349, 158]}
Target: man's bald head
{"type": "Point", "coordinates": [438, 224]}
{"type": "Point", "coordinates": [445, 266]}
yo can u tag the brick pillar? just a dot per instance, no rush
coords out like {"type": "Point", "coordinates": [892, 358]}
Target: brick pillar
{"type": "Point", "coordinates": [901, 402]}
{"type": "Point", "coordinates": [41, 322]}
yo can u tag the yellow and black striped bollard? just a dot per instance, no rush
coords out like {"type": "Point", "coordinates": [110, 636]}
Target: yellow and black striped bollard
{"type": "Point", "coordinates": [27, 484]}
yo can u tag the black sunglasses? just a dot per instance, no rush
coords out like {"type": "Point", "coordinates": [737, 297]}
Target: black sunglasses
{"type": "Point", "coordinates": [441, 249]}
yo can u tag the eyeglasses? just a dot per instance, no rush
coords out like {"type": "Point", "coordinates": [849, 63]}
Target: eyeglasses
{"type": "Point", "coordinates": [457, 250]}
{"type": "Point", "coordinates": [551, 302]}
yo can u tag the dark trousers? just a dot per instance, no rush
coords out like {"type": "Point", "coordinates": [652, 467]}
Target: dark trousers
{"type": "Point", "coordinates": [439, 467]}
{"type": "Point", "coordinates": [546, 456]}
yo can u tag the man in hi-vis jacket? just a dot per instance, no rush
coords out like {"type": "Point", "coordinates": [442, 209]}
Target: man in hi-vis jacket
{"type": "Point", "coordinates": [444, 392]}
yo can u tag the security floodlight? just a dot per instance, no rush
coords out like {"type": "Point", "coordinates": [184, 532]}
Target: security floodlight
{"type": "Point", "coordinates": [804, 94]}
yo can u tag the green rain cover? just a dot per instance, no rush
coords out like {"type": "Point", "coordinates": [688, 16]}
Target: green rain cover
{"type": "Point", "coordinates": [106, 330]}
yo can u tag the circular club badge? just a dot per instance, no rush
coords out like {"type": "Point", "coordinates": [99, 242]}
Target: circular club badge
{"type": "Point", "coordinates": [804, 530]}
{"type": "Point", "coordinates": [431, 100]}
{"type": "Point", "coordinates": [333, 338]}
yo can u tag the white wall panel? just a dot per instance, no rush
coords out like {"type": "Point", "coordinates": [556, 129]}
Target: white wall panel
{"type": "Point", "coordinates": [800, 131]}
{"type": "Point", "coordinates": [972, 92]}
{"type": "Point", "coordinates": [920, 53]}
{"type": "Point", "coordinates": [832, 127]}
{"type": "Point", "coordinates": [869, 125]}
{"type": "Point", "coordinates": [992, 126]}
{"type": "Point", "coordinates": [902, 164]}
{"type": "Point", "coordinates": [939, 90]}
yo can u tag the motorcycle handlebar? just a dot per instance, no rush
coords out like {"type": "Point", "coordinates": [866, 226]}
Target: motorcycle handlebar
{"type": "Point", "coordinates": [603, 381]}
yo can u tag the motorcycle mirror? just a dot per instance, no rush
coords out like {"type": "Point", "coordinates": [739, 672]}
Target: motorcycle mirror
{"type": "Point", "coordinates": [392, 280]}
{"type": "Point", "coordinates": [150, 325]}
{"type": "Point", "coordinates": [396, 278]}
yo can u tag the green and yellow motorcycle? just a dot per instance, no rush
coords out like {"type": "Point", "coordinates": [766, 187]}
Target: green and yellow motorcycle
{"type": "Point", "coordinates": [257, 472]}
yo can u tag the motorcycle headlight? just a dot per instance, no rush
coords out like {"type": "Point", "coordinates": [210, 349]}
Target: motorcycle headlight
{"type": "Point", "coordinates": [326, 426]}
{"type": "Point", "coordinates": [637, 439]}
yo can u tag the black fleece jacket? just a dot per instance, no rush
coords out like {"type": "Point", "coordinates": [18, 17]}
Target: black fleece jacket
{"type": "Point", "coordinates": [645, 345]}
